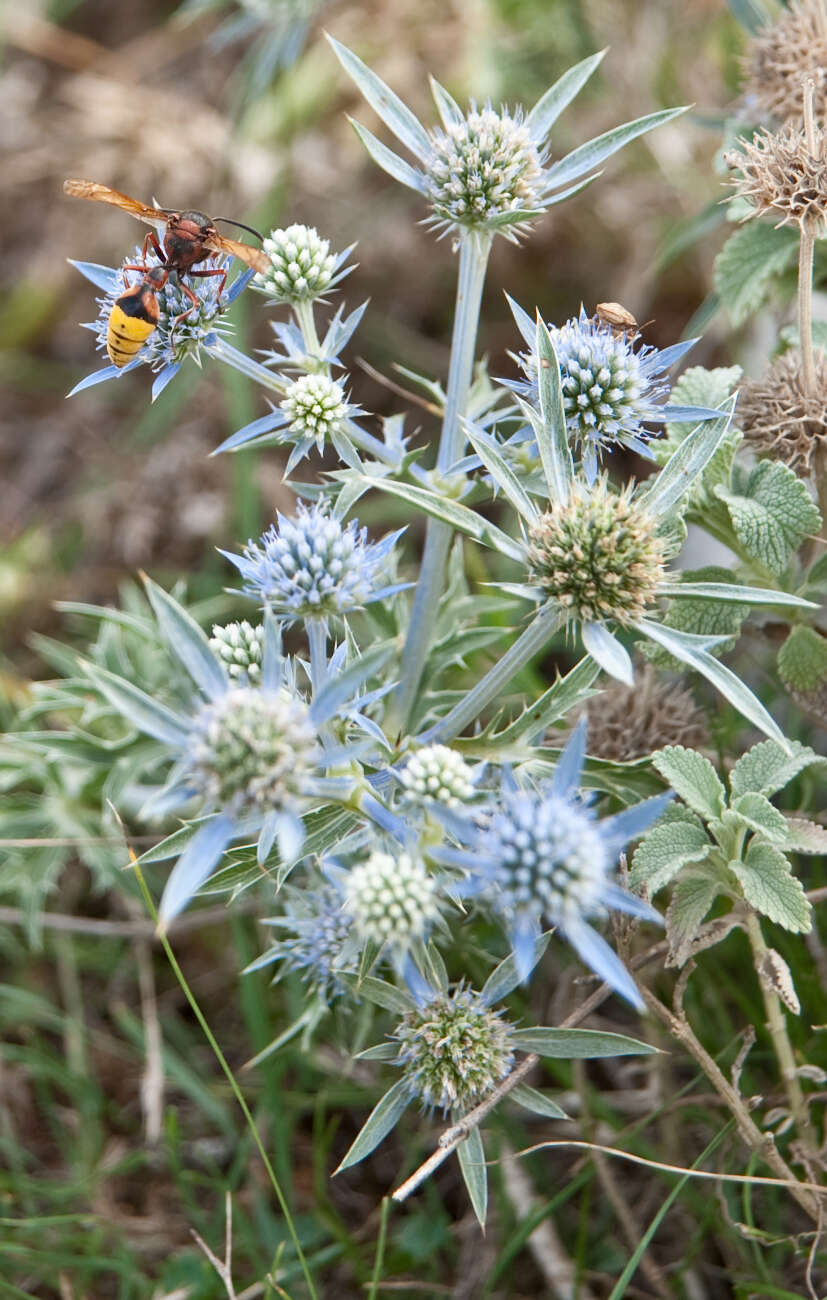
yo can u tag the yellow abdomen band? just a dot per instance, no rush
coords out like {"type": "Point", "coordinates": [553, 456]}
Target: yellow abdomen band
{"type": "Point", "coordinates": [125, 335]}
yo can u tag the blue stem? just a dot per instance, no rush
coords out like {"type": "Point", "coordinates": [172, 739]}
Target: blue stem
{"type": "Point", "coordinates": [317, 639]}
{"type": "Point", "coordinates": [473, 261]}
{"type": "Point", "coordinates": [539, 631]}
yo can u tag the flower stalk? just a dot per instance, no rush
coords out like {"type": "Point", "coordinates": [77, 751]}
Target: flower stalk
{"type": "Point", "coordinates": [474, 250]}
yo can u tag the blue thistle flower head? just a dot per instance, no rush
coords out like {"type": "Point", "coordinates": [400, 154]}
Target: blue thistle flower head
{"type": "Point", "coordinates": [543, 856]}
{"type": "Point", "coordinates": [174, 339]}
{"type": "Point", "coordinates": [613, 385]}
{"type": "Point", "coordinates": [314, 566]}
{"type": "Point", "coordinates": [319, 941]}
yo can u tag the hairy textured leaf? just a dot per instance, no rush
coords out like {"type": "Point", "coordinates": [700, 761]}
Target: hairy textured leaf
{"type": "Point", "coordinates": [748, 263]}
{"type": "Point", "coordinates": [691, 900]}
{"type": "Point", "coordinates": [773, 515]}
{"type": "Point", "coordinates": [767, 768]}
{"type": "Point", "coordinates": [693, 778]}
{"type": "Point", "coordinates": [760, 816]}
{"type": "Point", "coordinates": [804, 836]}
{"type": "Point", "coordinates": [664, 851]}
{"type": "Point", "coordinates": [768, 884]}
{"type": "Point", "coordinates": [802, 660]}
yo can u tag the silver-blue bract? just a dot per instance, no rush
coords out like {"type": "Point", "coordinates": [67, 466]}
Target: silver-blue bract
{"type": "Point", "coordinates": [543, 855]}
{"type": "Point", "coordinates": [313, 565]}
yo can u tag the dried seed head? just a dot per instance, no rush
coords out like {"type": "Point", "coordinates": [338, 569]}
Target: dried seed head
{"type": "Point", "coordinates": [630, 722]}
{"type": "Point", "coordinates": [778, 173]}
{"type": "Point", "coordinates": [780, 419]}
{"type": "Point", "coordinates": [781, 55]}
{"type": "Point", "coordinates": [598, 555]}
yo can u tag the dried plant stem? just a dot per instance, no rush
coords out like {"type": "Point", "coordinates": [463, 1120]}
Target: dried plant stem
{"type": "Point", "coordinates": [763, 1144]}
{"type": "Point", "coordinates": [805, 260]}
{"type": "Point", "coordinates": [821, 18]}
{"type": "Point", "coordinates": [777, 1027]}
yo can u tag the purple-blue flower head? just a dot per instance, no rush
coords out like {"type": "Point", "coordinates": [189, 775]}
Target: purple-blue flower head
{"type": "Point", "coordinates": [314, 566]}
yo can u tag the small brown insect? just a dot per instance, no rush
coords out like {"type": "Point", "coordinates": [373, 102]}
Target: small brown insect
{"type": "Point", "coordinates": [613, 314]}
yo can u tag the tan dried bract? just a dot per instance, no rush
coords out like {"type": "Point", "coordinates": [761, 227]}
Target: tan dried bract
{"type": "Point", "coordinates": [630, 722]}
{"type": "Point", "coordinates": [780, 419]}
{"type": "Point", "coordinates": [778, 174]}
{"type": "Point", "coordinates": [782, 55]}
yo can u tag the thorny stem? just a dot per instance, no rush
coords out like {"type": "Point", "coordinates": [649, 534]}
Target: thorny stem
{"type": "Point", "coordinates": [763, 1144]}
{"type": "Point", "coordinates": [528, 644]}
{"type": "Point", "coordinates": [777, 1026]}
{"type": "Point", "coordinates": [473, 261]}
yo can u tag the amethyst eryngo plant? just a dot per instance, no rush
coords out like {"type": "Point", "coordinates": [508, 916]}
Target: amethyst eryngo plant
{"type": "Point", "coordinates": [416, 800]}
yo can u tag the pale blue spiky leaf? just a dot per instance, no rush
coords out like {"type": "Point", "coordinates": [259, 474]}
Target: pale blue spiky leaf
{"type": "Point", "coordinates": [505, 977]}
{"type": "Point", "coordinates": [140, 709]}
{"type": "Point", "coordinates": [183, 635]}
{"type": "Point", "coordinates": [608, 652]}
{"type": "Point", "coordinates": [536, 1102]}
{"type": "Point", "coordinates": [558, 97]}
{"type": "Point", "coordinates": [397, 116]}
{"type": "Point", "coordinates": [458, 516]}
{"type": "Point", "coordinates": [198, 861]}
{"type": "Point", "coordinates": [589, 155]}
{"type": "Point", "coordinates": [577, 1044]}
{"type": "Point", "coordinates": [686, 464]}
{"type": "Point", "coordinates": [551, 431]}
{"type": "Point", "coordinates": [389, 161]}
{"type": "Point", "coordinates": [471, 1156]}
{"type": "Point", "coordinates": [379, 1123]}
{"type": "Point", "coordinates": [501, 472]}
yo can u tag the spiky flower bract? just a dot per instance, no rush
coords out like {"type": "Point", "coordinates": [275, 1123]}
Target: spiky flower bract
{"type": "Point", "coordinates": [313, 565]}
{"type": "Point", "coordinates": [613, 386]}
{"type": "Point", "coordinates": [240, 647]}
{"type": "Point", "coordinates": [778, 174]}
{"type": "Point", "coordinates": [779, 418]}
{"type": "Point", "coordinates": [783, 54]}
{"type": "Point", "coordinates": [598, 554]}
{"type": "Point", "coordinates": [453, 1050]}
{"type": "Point", "coordinates": [391, 900]}
{"type": "Point", "coordinates": [303, 267]}
{"type": "Point", "coordinates": [541, 855]}
{"type": "Point", "coordinates": [437, 772]}
{"type": "Point", "coordinates": [318, 943]}
{"type": "Point", "coordinates": [481, 168]}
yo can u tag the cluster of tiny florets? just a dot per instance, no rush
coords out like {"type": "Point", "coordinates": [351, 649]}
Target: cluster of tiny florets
{"type": "Point", "coordinates": [391, 899]}
{"type": "Point", "coordinates": [608, 386]}
{"type": "Point", "coordinates": [550, 859]}
{"type": "Point", "coordinates": [439, 773]}
{"type": "Point", "coordinates": [777, 173]}
{"type": "Point", "coordinates": [782, 55]}
{"type": "Point", "coordinates": [302, 265]}
{"type": "Point", "coordinates": [598, 555]}
{"type": "Point", "coordinates": [310, 566]}
{"type": "Point", "coordinates": [321, 941]}
{"type": "Point", "coordinates": [631, 722]}
{"type": "Point", "coordinates": [779, 418]}
{"type": "Point", "coordinates": [453, 1050]}
{"type": "Point", "coordinates": [173, 339]}
{"type": "Point", "coordinates": [315, 407]}
{"type": "Point", "coordinates": [483, 167]}
{"type": "Point", "coordinates": [240, 647]}
{"type": "Point", "coordinates": [251, 751]}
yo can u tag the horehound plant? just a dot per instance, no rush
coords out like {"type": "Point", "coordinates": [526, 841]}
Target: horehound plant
{"type": "Point", "coordinates": [392, 754]}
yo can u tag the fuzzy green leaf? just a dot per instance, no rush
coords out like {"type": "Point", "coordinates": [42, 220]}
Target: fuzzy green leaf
{"type": "Point", "coordinates": [691, 900]}
{"type": "Point", "coordinates": [804, 836]}
{"type": "Point", "coordinates": [768, 885]}
{"type": "Point", "coordinates": [748, 264]}
{"type": "Point", "coordinates": [664, 851]}
{"type": "Point", "coordinates": [471, 1156]}
{"type": "Point", "coordinates": [760, 816]}
{"type": "Point", "coordinates": [767, 768]}
{"type": "Point", "coordinates": [379, 1123]}
{"type": "Point", "coordinates": [577, 1044]}
{"type": "Point", "coordinates": [773, 515]}
{"type": "Point", "coordinates": [693, 778]}
{"type": "Point", "coordinates": [802, 660]}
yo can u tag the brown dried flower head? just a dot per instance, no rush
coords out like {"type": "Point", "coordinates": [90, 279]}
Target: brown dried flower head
{"type": "Point", "coordinates": [779, 174]}
{"type": "Point", "coordinates": [782, 55]}
{"type": "Point", "coordinates": [630, 722]}
{"type": "Point", "coordinates": [780, 419]}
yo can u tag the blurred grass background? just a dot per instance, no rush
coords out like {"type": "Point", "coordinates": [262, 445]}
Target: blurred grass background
{"type": "Point", "coordinates": [118, 1136]}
